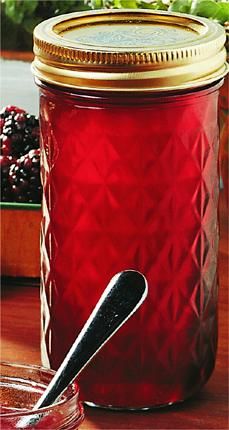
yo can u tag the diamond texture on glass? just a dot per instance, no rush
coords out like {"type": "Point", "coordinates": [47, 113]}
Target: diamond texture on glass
{"type": "Point", "coordinates": [132, 187]}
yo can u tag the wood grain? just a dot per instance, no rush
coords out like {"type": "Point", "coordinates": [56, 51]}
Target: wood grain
{"type": "Point", "coordinates": [207, 410]}
{"type": "Point", "coordinates": [20, 242]}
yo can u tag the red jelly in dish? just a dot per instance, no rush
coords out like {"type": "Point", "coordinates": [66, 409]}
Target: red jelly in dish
{"type": "Point", "coordinates": [21, 387]}
{"type": "Point", "coordinates": [128, 110]}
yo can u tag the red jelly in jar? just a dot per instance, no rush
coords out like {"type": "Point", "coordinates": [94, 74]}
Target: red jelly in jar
{"type": "Point", "coordinates": [128, 109]}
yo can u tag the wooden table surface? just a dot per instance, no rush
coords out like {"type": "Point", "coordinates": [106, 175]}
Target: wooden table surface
{"type": "Point", "coordinates": [20, 327]}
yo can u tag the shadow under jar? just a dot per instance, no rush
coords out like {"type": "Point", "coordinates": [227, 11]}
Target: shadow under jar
{"type": "Point", "coordinates": [128, 111]}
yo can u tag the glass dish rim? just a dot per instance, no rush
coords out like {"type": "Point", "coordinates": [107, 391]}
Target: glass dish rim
{"type": "Point", "coordinates": [73, 396]}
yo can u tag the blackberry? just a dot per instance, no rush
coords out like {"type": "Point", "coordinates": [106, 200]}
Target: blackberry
{"type": "Point", "coordinates": [24, 178]}
{"type": "Point", "coordinates": [9, 109]}
{"type": "Point", "coordinates": [6, 191]}
{"type": "Point", "coordinates": [19, 131]}
{"type": "Point", "coordinates": [2, 122]}
{"type": "Point", "coordinates": [6, 145]}
{"type": "Point", "coordinates": [20, 156]}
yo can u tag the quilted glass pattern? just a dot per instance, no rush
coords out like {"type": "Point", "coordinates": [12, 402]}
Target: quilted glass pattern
{"type": "Point", "coordinates": [131, 184]}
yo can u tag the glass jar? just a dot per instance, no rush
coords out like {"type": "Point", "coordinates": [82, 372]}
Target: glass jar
{"type": "Point", "coordinates": [21, 387]}
{"type": "Point", "coordinates": [129, 168]}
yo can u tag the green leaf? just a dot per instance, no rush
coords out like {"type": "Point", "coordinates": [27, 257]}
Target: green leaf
{"type": "Point", "coordinates": [158, 4]}
{"type": "Point", "coordinates": [18, 9]}
{"type": "Point", "coordinates": [11, 10]}
{"type": "Point", "coordinates": [206, 8]}
{"type": "Point", "coordinates": [182, 6]}
{"type": "Point", "coordinates": [28, 13]}
{"type": "Point", "coordinates": [64, 6]}
{"type": "Point", "coordinates": [129, 4]}
{"type": "Point", "coordinates": [117, 4]}
{"type": "Point", "coordinates": [223, 12]}
{"type": "Point", "coordinates": [96, 4]}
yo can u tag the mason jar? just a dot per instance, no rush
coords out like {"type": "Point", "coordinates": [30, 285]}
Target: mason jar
{"type": "Point", "coordinates": [129, 141]}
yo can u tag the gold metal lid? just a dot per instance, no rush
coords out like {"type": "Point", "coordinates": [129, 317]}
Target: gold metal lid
{"type": "Point", "coordinates": [129, 50]}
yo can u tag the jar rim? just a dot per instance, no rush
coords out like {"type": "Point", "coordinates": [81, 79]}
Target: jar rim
{"type": "Point", "coordinates": [177, 51]}
{"type": "Point", "coordinates": [73, 395]}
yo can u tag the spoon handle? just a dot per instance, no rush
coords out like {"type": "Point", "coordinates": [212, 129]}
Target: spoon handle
{"type": "Point", "coordinates": [123, 295]}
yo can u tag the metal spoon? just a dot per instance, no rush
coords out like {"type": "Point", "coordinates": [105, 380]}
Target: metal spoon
{"type": "Point", "coordinates": [124, 294]}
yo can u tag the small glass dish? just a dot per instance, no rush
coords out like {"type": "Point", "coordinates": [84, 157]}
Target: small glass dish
{"type": "Point", "coordinates": [21, 386]}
